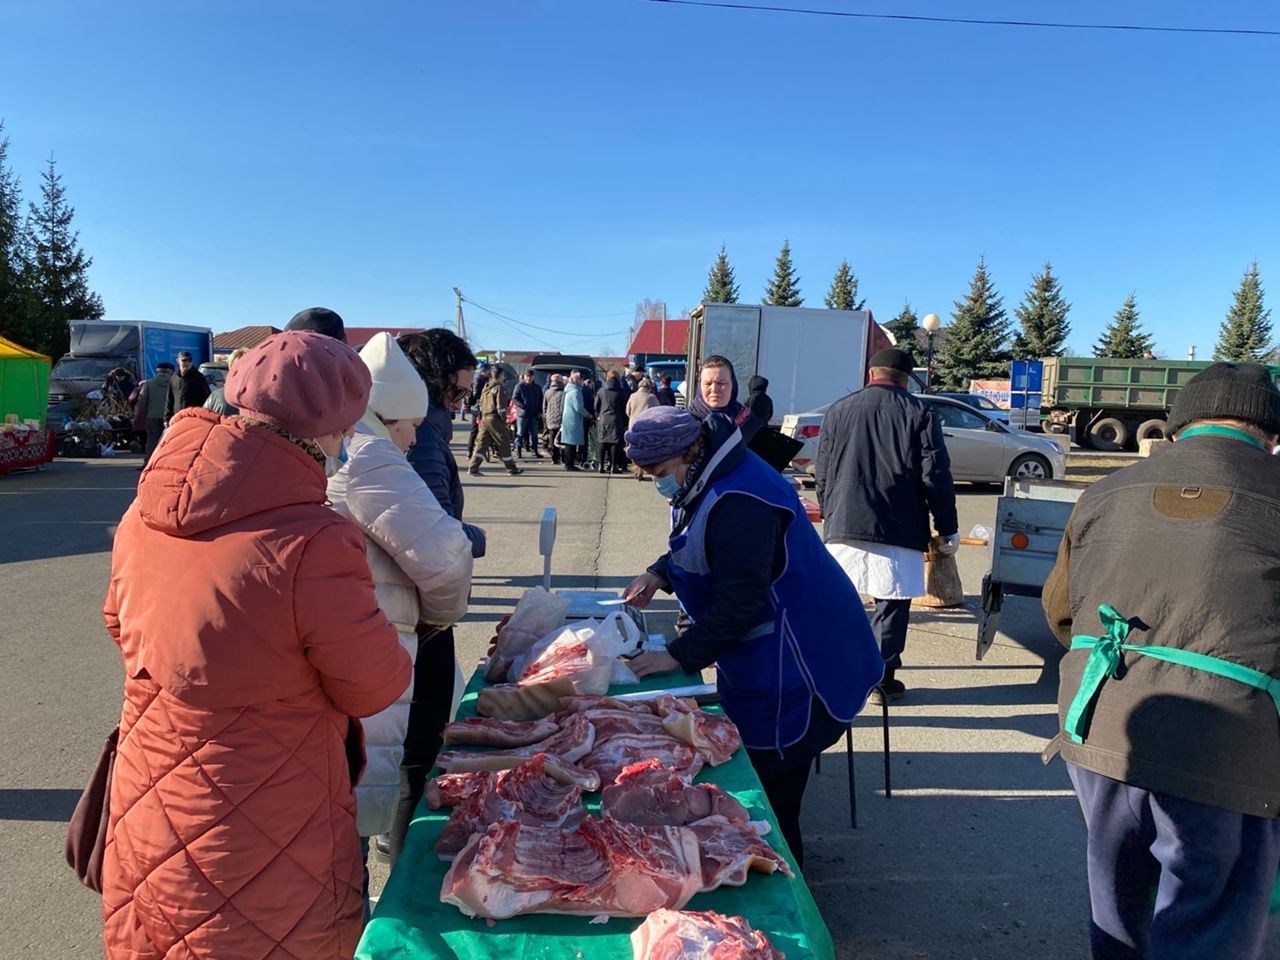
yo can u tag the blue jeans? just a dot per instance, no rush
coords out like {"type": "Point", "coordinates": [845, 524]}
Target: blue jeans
{"type": "Point", "coordinates": [1171, 879]}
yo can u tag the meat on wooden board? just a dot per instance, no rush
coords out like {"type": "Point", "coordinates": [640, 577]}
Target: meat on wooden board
{"type": "Point", "coordinates": [699, 935]}
{"type": "Point", "coordinates": [601, 867]}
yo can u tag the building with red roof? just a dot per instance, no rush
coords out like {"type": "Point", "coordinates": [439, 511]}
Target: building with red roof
{"type": "Point", "coordinates": [247, 337]}
{"type": "Point", "coordinates": [659, 336]}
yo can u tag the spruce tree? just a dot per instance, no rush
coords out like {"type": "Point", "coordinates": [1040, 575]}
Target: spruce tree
{"type": "Point", "coordinates": [13, 313]}
{"type": "Point", "coordinates": [904, 327]}
{"type": "Point", "coordinates": [1043, 316]}
{"type": "Point", "coordinates": [1245, 336]}
{"type": "Point", "coordinates": [1124, 338]}
{"type": "Point", "coordinates": [58, 267]}
{"type": "Point", "coordinates": [843, 294]}
{"type": "Point", "coordinates": [976, 343]}
{"type": "Point", "coordinates": [784, 289]}
{"type": "Point", "coordinates": [721, 285]}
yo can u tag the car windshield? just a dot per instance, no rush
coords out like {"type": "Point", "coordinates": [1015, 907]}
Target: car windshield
{"type": "Point", "coordinates": [83, 368]}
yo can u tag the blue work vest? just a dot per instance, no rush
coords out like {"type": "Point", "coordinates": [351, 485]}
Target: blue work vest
{"type": "Point", "coordinates": [813, 639]}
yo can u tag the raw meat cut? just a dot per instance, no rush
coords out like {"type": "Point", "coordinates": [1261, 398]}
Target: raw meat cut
{"type": "Point", "coordinates": [699, 935]}
{"type": "Point", "coordinates": [610, 757]}
{"type": "Point", "coordinates": [601, 867]}
{"type": "Point", "coordinates": [612, 723]}
{"type": "Point", "coordinates": [524, 701]}
{"type": "Point", "coordinates": [525, 793]}
{"type": "Point", "coordinates": [729, 850]}
{"type": "Point", "coordinates": [460, 763]}
{"type": "Point", "coordinates": [669, 801]}
{"type": "Point", "coordinates": [714, 734]}
{"type": "Point", "coordinates": [488, 732]}
{"type": "Point", "coordinates": [571, 742]}
{"type": "Point", "coordinates": [571, 655]}
{"type": "Point", "coordinates": [578, 704]}
{"type": "Point", "coordinates": [451, 789]}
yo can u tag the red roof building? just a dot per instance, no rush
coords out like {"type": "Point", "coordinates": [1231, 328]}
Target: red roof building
{"type": "Point", "coordinates": [651, 337]}
{"type": "Point", "coordinates": [247, 337]}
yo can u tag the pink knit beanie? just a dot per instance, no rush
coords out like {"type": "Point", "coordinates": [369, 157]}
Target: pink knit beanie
{"type": "Point", "coordinates": [309, 384]}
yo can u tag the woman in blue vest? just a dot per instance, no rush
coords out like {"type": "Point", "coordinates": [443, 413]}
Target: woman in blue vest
{"type": "Point", "coordinates": [794, 654]}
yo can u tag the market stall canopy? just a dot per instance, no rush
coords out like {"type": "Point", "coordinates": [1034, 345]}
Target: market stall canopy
{"type": "Point", "coordinates": [24, 382]}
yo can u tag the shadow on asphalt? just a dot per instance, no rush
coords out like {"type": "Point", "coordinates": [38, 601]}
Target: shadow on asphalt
{"type": "Point", "coordinates": [51, 806]}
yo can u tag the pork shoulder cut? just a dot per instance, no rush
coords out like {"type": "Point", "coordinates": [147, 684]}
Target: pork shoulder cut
{"type": "Point", "coordinates": [699, 935]}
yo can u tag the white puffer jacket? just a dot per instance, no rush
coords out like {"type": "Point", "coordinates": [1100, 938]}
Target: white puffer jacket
{"type": "Point", "coordinates": [421, 564]}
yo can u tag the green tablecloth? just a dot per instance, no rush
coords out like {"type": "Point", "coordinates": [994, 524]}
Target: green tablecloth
{"type": "Point", "coordinates": [410, 920]}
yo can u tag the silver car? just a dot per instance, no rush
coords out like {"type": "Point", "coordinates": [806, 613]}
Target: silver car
{"type": "Point", "coordinates": [982, 450]}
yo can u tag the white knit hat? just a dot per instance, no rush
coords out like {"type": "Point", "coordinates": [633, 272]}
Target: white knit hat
{"type": "Point", "coordinates": [398, 392]}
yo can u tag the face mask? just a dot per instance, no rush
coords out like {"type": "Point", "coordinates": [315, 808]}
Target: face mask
{"type": "Point", "coordinates": [333, 464]}
{"type": "Point", "coordinates": [668, 486]}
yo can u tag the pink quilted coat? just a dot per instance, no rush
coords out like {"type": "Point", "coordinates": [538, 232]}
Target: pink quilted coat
{"type": "Point", "coordinates": [245, 612]}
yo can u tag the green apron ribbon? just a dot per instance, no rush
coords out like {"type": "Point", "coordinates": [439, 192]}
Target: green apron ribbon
{"type": "Point", "coordinates": [1107, 653]}
{"type": "Point", "coordinates": [1218, 430]}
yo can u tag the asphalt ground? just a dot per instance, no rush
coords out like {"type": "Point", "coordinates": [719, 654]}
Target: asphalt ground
{"type": "Point", "coordinates": [978, 854]}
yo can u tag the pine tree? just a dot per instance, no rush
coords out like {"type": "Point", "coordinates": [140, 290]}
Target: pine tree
{"type": "Point", "coordinates": [1124, 338]}
{"type": "Point", "coordinates": [904, 327]}
{"type": "Point", "coordinates": [1043, 316]}
{"type": "Point", "coordinates": [975, 346]}
{"type": "Point", "coordinates": [784, 289]}
{"type": "Point", "coordinates": [57, 268]}
{"type": "Point", "coordinates": [843, 294]}
{"type": "Point", "coordinates": [721, 286]}
{"type": "Point", "coordinates": [1245, 336]}
{"type": "Point", "coordinates": [13, 318]}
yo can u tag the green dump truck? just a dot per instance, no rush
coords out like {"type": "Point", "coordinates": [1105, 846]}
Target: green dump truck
{"type": "Point", "coordinates": [1112, 404]}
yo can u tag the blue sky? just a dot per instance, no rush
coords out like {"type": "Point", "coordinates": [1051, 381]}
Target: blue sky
{"type": "Point", "coordinates": [233, 162]}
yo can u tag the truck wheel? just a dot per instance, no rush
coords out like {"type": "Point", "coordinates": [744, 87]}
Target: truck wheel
{"type": "Point", "coordinates": [1108, 434]}
{"type": "Point", "coordinates": [1030, 466]}
{"type": "Point", "coordinates": [1151, 430]}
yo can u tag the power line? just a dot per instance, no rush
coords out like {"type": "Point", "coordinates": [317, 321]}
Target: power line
{"type": "Point", "coordinates": [805, 11]}
{"type": "Point", "coordinates": [569, 316]}
{"type": "Point", "coordinates": [534, 326]}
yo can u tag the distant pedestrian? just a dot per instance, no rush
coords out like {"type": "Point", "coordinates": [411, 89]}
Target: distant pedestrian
{"type": "Point", "coordinates": [495, 435]}
{"type": "Point", "coordinates": [528, 400]}
{"type": "Point", "coordinates": [611, 422]}
{"type": "Point", "coordinates": [758, 401]}
{"type": "Point", "coordinates": [251, 636]}
{"type": "Point", "coordinates": [217, 401]}
{"type": "Point", "coordinates": [590, 449]}
{"type": "Point", "coordinates": [1164, 593]}
{"type": "Point", "coordinates": [478, 384]}
{"type": "Point", "coordinates": [882, 469]}
{"type": "Point", "coordinates": [153, 397]}
{"type": "Point", "coordinates": [553, 414]}
{"type": "Point", "coordinates": [666, 396]}
{"type": "Point", "coordinates": [642, 399]}
{"type": "Point", "coordinates": [188, 389]}
{"type": "Point", "coordinates": [319, 320]}
{"type": "Point", "coordinates": [573, 428]}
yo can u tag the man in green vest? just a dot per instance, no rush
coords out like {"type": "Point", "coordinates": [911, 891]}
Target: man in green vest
{"type": "Point", "coordinates": [1167, 593]}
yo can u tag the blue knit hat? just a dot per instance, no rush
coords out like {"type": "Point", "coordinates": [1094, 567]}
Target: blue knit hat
{"type": "Point", "coordinates": [660, 433]}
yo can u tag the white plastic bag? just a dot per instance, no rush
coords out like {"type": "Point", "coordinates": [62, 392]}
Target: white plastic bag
{"type": "Point", "coordinates": [537, 614]}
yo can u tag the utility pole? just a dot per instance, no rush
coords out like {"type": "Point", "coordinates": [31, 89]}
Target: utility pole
{"type": "Point", "coordinates": [461, 323]}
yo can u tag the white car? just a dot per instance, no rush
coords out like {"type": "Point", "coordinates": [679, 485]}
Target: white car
{"type": "Point", "coordinates": [982, 450]}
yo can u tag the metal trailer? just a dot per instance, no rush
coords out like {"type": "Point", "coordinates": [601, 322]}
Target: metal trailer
{"type": "Point", "coordinates": [1031, 518]}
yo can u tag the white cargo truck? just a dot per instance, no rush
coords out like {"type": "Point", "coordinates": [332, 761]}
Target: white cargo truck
{"type": "Point", "coordinates": [810, 357]}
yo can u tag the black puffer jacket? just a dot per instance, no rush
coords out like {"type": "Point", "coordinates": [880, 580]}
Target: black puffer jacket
{"type": "Point", "coordinates": [611, 411]}
{"type": "Point", "coordinates": [434, 462]}
{"type": "Point", "coordinates": [882, 469]}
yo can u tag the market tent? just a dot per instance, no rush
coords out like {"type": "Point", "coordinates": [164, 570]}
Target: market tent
{"type": "Point", "coordinates": [24, 382]}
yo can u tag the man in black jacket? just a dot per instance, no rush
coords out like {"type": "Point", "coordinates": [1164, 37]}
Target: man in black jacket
{"type": "Point", "coordinates": [528, 399]}
{"type": "Point", "coordinates": [188, 388]}
{"type": "Point", "coordinates": [1165, 592]}
{"type": "Point", "coordinates": [758, 401]}
{"type": "Point", "coordinates": [882, 469]}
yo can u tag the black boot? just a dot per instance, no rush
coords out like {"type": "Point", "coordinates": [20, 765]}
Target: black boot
{"type": "Point", "coordinates": [512, 469]}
